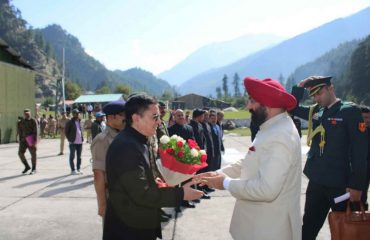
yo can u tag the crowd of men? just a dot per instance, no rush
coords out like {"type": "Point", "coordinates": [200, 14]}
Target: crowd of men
{"type": "Point", "coordinates": [128, 183]}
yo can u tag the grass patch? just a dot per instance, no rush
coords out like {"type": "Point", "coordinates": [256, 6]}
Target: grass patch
{"type": "Point", "coordinates": [241, 114]}
{"type": "Point", "coordinates": [239, 131]}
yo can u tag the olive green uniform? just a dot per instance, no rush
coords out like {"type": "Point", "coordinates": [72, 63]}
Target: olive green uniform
{"type": "Point", "coordinates": [27, 127]}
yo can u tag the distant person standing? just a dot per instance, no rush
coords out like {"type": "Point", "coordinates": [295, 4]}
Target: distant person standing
{"type": "Point", "coordinates": [98, 125]}
{"type": "Point", "coordinates": [74, 135]}
{"type": "Point", "coordinates": [89, 109]}
{"type": "Point", "coordinates": [115, 123]}
{"type": "Point", "coordinates": [61, 126]}
{"type": "Point", "coordinates": [52, 123]}
{"type": "Point", "coordinates": [43, 125]}
{"type": "Point", "coordinates": [87, 126]}
{"type": "Point", "coordinates": [27, 140]}
{"type": "Point", "coordinates": [19, 120]}
{"type": "Point", "coordinates": [217, 141]}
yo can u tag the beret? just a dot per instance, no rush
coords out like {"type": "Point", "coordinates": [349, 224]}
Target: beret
{"type": "Point", "coordinates": [161, 104]}
{"type": "Point", "coordinates": [114, 107]}
{"type": "Point", "coordinates": [270, 93]}
{"type": "Point", "coordinates": [75, 110]}
{"type": "Point", "coordinates": [26, 110]}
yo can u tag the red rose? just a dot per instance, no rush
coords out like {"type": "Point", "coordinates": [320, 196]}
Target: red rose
{"type": "Point", "coordinates": [180, 144]}
{"type": "Point", "coordinates": [192, 143]}
{"type": "Point", "coordinates": [203, 158]}
{"type": "Point", "coordinates": [170, 151]}
{"type": "Point", "coordinates": [180, 154]}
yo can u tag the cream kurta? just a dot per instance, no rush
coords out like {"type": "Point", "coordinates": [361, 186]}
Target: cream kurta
{"type": "Point", "coordinates": [267, 184]}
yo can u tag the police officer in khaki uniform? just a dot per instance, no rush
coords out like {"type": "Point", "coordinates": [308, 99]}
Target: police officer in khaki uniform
{"type": "Point", "coordinates": [61, 125]}
{"type": "Point", "coordinates": [115, 123]}
{"type": "Point", "coordinates": [27, 140]}
{"type": "Point", "coordinates": [87, 126]}
{"type": "Point", "coordinates": [336, 161]}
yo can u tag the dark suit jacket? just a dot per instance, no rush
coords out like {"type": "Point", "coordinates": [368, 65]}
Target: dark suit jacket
{"type": "Point", "coordinates": [199, 134]}
{"type": "Point", "coordinates": [184, 131]}
{"type": "Point", "coordinates": [134, 198]}
{"type": "Point", "coordinates": [71, 129]}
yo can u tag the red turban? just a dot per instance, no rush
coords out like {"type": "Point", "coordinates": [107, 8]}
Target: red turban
{"type": "Point", "coordinates": [270, 93]}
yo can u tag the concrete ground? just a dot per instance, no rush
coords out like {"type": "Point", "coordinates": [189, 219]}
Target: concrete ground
{"type": "Point", "coordinates": [53, 204]}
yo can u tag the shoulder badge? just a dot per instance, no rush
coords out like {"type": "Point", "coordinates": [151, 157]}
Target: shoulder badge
{"type": "Point", "coordinates": [362, 127]}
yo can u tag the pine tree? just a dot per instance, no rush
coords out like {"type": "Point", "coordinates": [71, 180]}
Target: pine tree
{"type": "Point", "coordinates": [236, 83]}
{"type": "Point", "coordinates": [218, 93]}
{"type": "Point", "coordinates": [225, 87]}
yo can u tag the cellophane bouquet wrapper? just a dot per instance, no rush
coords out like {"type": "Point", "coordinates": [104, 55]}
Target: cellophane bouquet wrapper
{"type": "Point", "coordinates": [175, 172]}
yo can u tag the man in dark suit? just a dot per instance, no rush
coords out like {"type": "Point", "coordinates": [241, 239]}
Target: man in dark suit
{"type": "Point", "coordinates": [133, 208]}
{"type": "Point", "coordinates": [195, 123]}
{"type": "Point", "coordinates": [181, 128]}
{"type": "Point", "coordinates": [217, 141]}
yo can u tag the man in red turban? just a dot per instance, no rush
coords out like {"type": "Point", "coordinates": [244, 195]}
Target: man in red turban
{"type": "Point", "coordinates": [267, 182]}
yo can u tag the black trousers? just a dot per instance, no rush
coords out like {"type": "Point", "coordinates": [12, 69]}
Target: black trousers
{"type": "Point", "coordinates": [319, 199]}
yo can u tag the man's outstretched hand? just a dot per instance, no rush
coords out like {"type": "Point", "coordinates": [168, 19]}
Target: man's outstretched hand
{"type": "Point", "coordinates": [211, 179]}
{"type": "Point", "coordinates": [190, 193]}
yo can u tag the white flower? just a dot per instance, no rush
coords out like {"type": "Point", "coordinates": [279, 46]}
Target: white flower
{"type": "Point", "coordinates": [194, 152]}
{"type": "Point", "coordinates": [164, 139]}
{"type": "Point", "coordinates": [174, 137]}
{"type": "Point", "coordinates": [180, 139]}
{"type": "Point", "coordinates": [202, 152]}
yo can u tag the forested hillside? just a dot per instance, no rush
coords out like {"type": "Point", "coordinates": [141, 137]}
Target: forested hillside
{"type": "Point", "coordinates": [31, 46]}
{"type": "Point", "coordinates": [42, 49]}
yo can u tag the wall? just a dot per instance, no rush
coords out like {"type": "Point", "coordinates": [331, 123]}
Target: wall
{"type": "Point", "coordinates": [17, 92]}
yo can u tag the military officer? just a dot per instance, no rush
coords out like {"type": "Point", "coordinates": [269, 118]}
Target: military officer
{"type": "Point", "coordinates": [162, 128]}
{"type": "Point", "coordinates": [116, 118]}
{"type": "Point", "coordinates": [61, 125]}
{"type": "Point", "coordinates": [336, 161]}
{"type": "Point", "coordinates": [27, 140]}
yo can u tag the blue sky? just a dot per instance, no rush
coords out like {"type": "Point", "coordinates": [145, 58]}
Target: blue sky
{"type": "Point", "coordinates": [157, 34]}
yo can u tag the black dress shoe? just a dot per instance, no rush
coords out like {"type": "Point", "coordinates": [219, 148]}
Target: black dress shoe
{"type": "Point", "coordinates": [164, 218]}
{"type": "Point", "coordinates": [26, 169]}
{"type": "Point", "coordinates": [163, 213]}
{"type": "Point", "coordinates": [196, 201]}
{"type": "Point", "coordinates": [207, 189]}
{"type": "Point", "coordinates": [188, 204]}
{"type": "Point", "coordinates": [206, 196]}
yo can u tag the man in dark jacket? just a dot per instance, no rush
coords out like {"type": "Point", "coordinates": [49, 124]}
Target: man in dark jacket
{"type": "Point", "coordinates": [74, 135]}
{"type": "Point", "coordinates": [27, 129]}
{"type": "Point", "coordinates": [133, 208]}
{"type": "Point", "coordinates": [180, 128]}
{"type": "Point", "coordinates": [217, 141]}
{"type": "Point", "coordinates": [195, 123]}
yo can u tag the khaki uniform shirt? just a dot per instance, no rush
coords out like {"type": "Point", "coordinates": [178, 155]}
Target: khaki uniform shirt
{"type": "Point", "coordinates": [62, 123]}
{"type": "Point", "coordinates": [99, 147]}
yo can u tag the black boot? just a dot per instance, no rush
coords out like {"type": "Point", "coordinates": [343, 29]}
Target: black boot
{"type": "Point", "coordinates": [26, 168]}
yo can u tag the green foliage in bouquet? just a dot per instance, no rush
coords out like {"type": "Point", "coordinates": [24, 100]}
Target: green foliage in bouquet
{"type": "Point", "coordinates": [185, 152]}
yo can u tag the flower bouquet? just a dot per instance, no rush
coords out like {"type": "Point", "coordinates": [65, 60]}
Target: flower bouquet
{"type": "Point", "coordinates": [179, 160]}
